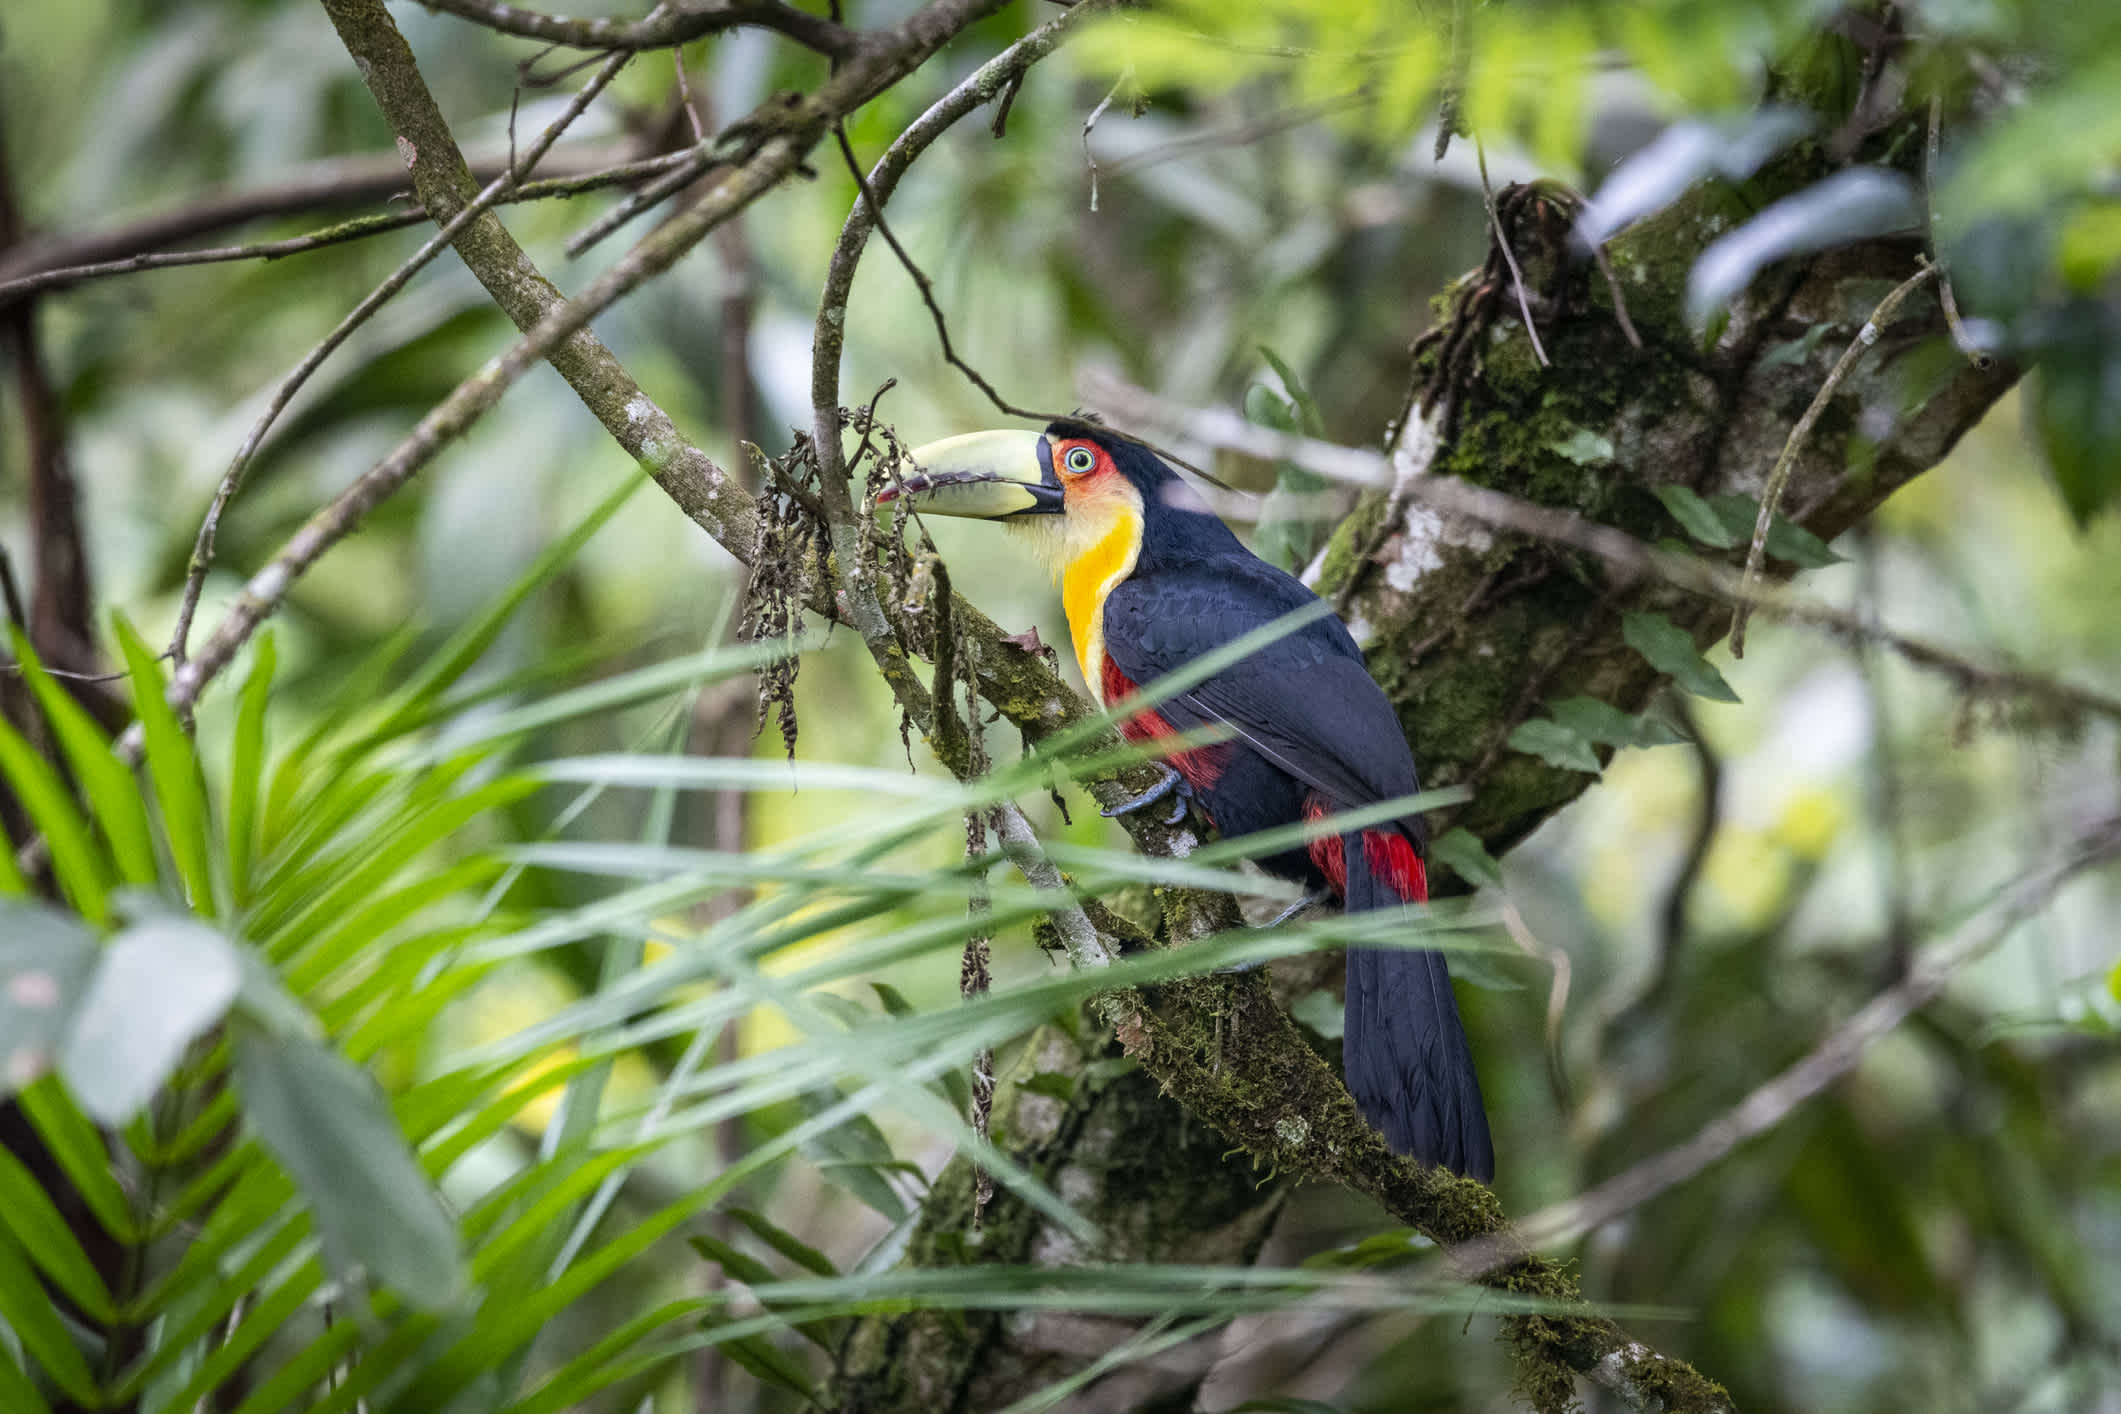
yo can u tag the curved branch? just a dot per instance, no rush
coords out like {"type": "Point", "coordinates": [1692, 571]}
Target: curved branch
{"type": "Point", "coordinates": [657, 32]}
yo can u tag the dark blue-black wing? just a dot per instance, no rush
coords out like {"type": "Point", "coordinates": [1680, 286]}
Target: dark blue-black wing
{"type": "Point", "coordinates": [1306, 701]}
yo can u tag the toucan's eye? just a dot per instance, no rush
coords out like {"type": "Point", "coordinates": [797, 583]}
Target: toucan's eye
{"type": "Point", "coordinates": [1080, 460]}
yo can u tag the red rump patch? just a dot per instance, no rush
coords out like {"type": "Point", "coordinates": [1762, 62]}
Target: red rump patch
{"type": "Point", "coordinates": [1389, 855]}
{"type": "Point", "coordinates": [1202, 766]}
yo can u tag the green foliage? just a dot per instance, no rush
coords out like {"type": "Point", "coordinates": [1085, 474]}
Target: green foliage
{"type": "Point", "coordinates": [1670, 650]}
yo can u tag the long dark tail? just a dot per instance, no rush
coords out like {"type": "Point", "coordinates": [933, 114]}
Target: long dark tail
{"type": "Point", "coordinates": [1405, 1049]}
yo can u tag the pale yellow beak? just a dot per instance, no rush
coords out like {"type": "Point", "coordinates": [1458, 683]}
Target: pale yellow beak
{"type": "Point", "coordinates": [983, 475]}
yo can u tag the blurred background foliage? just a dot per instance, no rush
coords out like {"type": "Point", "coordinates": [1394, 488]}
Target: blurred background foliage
{"type": "Point", "coordinates": [1940, 1232]}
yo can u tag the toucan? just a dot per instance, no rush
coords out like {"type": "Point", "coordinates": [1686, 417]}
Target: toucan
{"type": "Point", "coordinates": [1151, 580]}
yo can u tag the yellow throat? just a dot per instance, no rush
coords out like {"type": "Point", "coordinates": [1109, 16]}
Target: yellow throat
{"type": "Point", "coordinates": [1109, 533]}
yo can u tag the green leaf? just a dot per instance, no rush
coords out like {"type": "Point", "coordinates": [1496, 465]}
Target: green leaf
{"type": "Point", "coordinates": [375, 1211]}
{"type": "Point", "coordinates": [1053, 1084]}
{"type": "Point", "coordinates": [894, 1001]}
{"type": "Point", "coordinates": [766, 1361]}
{"type": "Point", "coordinates": [736, 1265]}
{"type": "Point", "coordinates": [1670, 650]}
{"type": "Point", "coordinates": [46, 958]}
{"type": "Point", "coordinates": [1554, 744]}
{"type": "Point", "coordinates": [1696, 517]}
{"type": "Point", "coordinates": [113, 796]}
{"type": "Point", "coordinates": [1308, 420]}
{"type": "Point", "coordinates": [173, 764]}
{"type": "Point", "coordinates": [1378, 1249]}
{"type": "Point", "coordinates": [74, 1142]}
{"type": "Point", "coordinates": [27, 1212]}
{"type": "Point", "coordinates": [2077, 408]}
{"type": "Point", "coordinates": [16, 1391]}
{"type": "Point", "coordinates": [1461, 851]}
{"type": "Point", "coordinates": [159, 986]}
{"type": "Point", "coordinates": [246, 770]}
{"type": "Point", "coordinates": [469, 643]}
{"type": "Point", "coordinates": [1583, 447]}
{"type": "Point", "coordinates": [1786, 540]}
{"type": "Point", "coordinates": [1602, 722]}
{"type": "Point", "coordinates": [27, 1307]}
{"type": "Point", "coordinates": [76, 862]}
{"type": "Point", "coordinates": [784, 1242]}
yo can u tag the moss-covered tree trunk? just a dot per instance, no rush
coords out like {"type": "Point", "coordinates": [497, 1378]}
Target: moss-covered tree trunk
{"type": "Point", "coordinates": [1472, 631]}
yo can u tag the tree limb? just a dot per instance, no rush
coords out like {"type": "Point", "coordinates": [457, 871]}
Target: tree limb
{"type": "Point", "coordinates": [680, 26]}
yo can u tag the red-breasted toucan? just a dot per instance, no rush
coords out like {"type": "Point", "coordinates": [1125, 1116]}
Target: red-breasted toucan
{"type": "Point", "coordinates": [1151, 580]}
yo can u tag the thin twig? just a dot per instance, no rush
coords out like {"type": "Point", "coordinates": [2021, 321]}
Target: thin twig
{"type": "Point", "coordinates": [1236, 135]}
{"type": "Point", "coordinates": [1841, 1051]}
{"type": "Point", "coordinates": [927, 288]}
{"type": "Point", "coordinates": [717, 505]}
{"type": "Point", "coordinates": [1961, 338]}
{"type": "Point", "coordinates": [1090, 125]}
{"type": "Point", "coordinates": [1563, 970]}
{"type": "Point", "coordinates": [60, 277]}
{"type": "Point", "coordinates": [1779, 478]}
{"type": "Point", "coordinates": [202, 555]}
{"type": "Point", "coordinates": [1620, 301]}
{"type": "Point", "coordinates": [1224, 429]}
{"type": "Point", "coordinates": [1509, 256]}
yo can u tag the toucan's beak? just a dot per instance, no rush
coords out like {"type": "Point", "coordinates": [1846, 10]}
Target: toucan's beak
{"type": "Point", "coordinates": [987, 475]}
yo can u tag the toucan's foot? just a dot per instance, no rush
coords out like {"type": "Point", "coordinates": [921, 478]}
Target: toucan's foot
{"type": "Point", "coordinates": [1307, 901]}
{"type": "Point", "coordinates": [1172, 784]}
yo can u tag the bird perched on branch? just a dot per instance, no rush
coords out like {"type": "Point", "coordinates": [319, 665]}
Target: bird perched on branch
{"type": "Point", "coordinates": [1151, 581]}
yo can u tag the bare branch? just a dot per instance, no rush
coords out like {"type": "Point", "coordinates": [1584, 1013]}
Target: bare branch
{"type": "Point", "coordinates": [1224, 429]}
{"type": "Point", "coordinates": [58, 263]}
{"type": "Point", "coordinates": [1779, 477]}
{"type": "Point", "coordinates": [202, 555]}
{"type": "Point", "coordinates": [1833, 1058]}
{"type": "Point", "coordinates": [664, 31]}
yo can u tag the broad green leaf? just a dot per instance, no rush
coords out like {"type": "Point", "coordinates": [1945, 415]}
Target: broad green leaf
{"type": "Point", "coordinates": [375, 1211]}
{"type": "Point", "coordinates": [1607, 725]}
{"type": "Point", "coordinates": [1460, 850]}
{"type": "Point", "coordinates": [113, 796]}
{"type": "Point", "coordinates": [2076, 407]}
{"type": "Point", "coordinates": [1554, 744]}
{"type": "Point", "coordinates": [1786, 540]}
{"type": "Point", "coordinates": [46, 958]}
{"type": "Point", "coordinates": [173, 764]}
{"type": "Point", "coordinates": [1696, 517]}
{"type": "Point", "coordinates": [158, 986]}
{"type": "Point", "coordinates": [78, 865]}
{"type": "Point", "coordinates": [1670, 650]}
